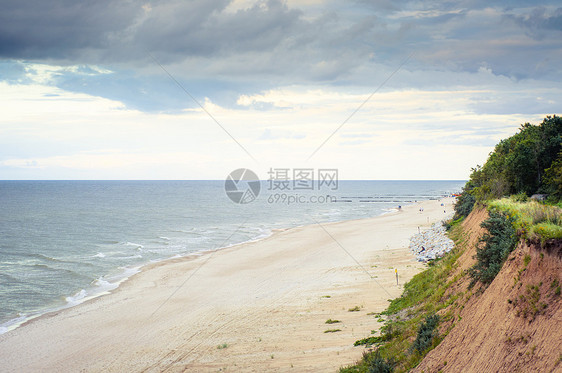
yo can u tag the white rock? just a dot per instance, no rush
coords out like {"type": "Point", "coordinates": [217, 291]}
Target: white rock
{"type": "Point", "coordinates": [431, 244]}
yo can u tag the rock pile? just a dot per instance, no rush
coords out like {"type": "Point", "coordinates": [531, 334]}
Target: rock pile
{"type": "Point", "coordinates": [431, 244]}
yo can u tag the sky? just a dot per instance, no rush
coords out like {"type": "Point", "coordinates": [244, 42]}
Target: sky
{"type": "Point", "coordinates": [172, 89]}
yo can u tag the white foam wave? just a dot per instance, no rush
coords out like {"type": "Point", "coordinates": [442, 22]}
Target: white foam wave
{"type": "Point", "coordinates": [14, 323]}
{"type": "Point", "coordinates": [101, 286]}
{"type": "Point", "coordinates": [76, 298]}
{"type": "Point", "coordinates": [137, 246]}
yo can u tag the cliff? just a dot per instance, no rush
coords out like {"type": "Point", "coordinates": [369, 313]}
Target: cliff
{"type": "Point", "coordinates": [512, 325]}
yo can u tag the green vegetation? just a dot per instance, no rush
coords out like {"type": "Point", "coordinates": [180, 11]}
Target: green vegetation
{"type": "Point", "coordinates": [330, 321]}
{"type": "Point", "coordinates": [518, 164]}
{"type": "Point", "coordinates": [222, 346]}
{"type": "Point", "coordinates": [556, 286]}
{"type": "Point", "coordinates": [465, 202]}
{"type": "Point", "coordinates": [354, 309]}
{"type": "Point", "coordinates": [332, 330]}
{"type": "Point", "coordinates": [527, 163]}
{"type": "Point", "coordinates": [373, 362]}
{"type": "Point", "coordinates": [498, 241]}
{"type": "Point", "coordinates": [531, 219]}
{"type": "Point", "coordinates": [529, 304]}
{"type": "Point", "coordinates": [410, 332]}
{"type": "Point", "coordinates": [426, 334]}
{"type": "Point", "coordinates": [379, 364]}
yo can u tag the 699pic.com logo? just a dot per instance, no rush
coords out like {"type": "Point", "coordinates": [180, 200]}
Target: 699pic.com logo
{"type": "Point", "coordinates": [242, 186]}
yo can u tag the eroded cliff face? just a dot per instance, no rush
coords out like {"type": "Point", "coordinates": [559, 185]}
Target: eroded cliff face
{"type": "Point", "coordinates": [513, 325]}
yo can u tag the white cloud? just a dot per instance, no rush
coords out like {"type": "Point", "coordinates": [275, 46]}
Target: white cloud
{"type": "Point", "coordinates": [400, 134]}
{"type": "Point", "coordinates": [46, 74]}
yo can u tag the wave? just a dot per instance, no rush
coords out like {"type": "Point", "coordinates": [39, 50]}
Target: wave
{"type": "Point", "coordinates": [42, 257]}
{"type": "Point", "coordinates": [100, 286]}
{"type": "Point", "coordinates": [9, 278]}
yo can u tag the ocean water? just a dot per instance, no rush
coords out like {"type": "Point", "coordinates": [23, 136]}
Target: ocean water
{"type": "Point", "coordinates": [62, 242]}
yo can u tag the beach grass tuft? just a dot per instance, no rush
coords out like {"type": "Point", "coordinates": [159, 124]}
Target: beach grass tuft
{"type": "Point", "coordinates": [332, 330]}
{"type": "Point", "coordinates": [330, 321]}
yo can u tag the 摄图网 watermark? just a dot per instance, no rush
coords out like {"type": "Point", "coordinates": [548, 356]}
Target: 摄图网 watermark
{"type": "Point", "coordinates": [287, 185]}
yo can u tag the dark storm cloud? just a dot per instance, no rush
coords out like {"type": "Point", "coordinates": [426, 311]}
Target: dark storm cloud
{"type": "Point", "coordinates": [120, 31]}
{"type": "Point", "coordinates": [61, 29]}
{"type": "Point", "coordinates": [269, 39]}
{"type": "Point", "coordinates": [270, 44]}
{"type": "Point", "coordinates": [205, 31]}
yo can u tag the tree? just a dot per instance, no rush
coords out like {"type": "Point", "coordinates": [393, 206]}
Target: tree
{"type": "Point", "coordinates": [553, 179]}
{"type": "Point", "coordinates": [518, 164]}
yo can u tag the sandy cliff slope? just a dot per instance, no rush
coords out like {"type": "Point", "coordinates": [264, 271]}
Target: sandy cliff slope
{"type": "Point", "coordinates": [515, 324]}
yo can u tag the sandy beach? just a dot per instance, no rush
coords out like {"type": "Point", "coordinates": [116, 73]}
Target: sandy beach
{"type": "Point", "coordinates": [255, 307]}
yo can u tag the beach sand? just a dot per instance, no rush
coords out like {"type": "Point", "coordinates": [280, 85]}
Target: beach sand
{"type": "Point", "coordinates": [255, 307]}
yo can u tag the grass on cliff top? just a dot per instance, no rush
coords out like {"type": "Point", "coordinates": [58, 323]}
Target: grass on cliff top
{"type": "Point", "coordinates": [423, 296]}
{"type": "Point", "coordinates": [532, 219]}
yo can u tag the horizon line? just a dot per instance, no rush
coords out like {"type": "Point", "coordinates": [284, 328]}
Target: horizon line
{"type": "Point", "coordinates": [1, 180]}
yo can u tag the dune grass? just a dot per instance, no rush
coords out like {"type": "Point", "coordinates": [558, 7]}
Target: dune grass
{"type": "Point", "coordinates": [532, 219]}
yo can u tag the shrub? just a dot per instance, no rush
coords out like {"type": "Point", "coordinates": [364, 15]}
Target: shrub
{"type": "Point", "coordinates": [388, 331]}
{"type": "Point", "coordinates": [465, 203]}
{"type": "Point", "coordinates": [521, 197]}
{"type": "Point", "coordinates": [378, 364]}
{"type": "Point", "coordinates": [426, 333]}
{"type": "Point", "coordinates": [451, 223]}
{"type": "Point", "coordinates": [547, 230]}
{"type": "Point", "coordinates": [498, 242]}
{"type": "Point", "coordinates": [532, 219]}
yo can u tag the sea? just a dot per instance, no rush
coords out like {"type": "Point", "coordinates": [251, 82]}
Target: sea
{"type": "Point", "coordinates": [64, 242]}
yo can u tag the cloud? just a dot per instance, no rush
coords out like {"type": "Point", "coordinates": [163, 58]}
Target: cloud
{"type": "Point", "coordinates": [226, 48]}
{"type": "Point", "coordinates": [79, 78]}
{"type": "Point", "coordinates": [123, 31]}
{"type": "Point", "coordinates": [541, 18]}
{"type": "Point", "coordinates": [268, 134]}
{"type": "Point", "coordinates": [294, 42]}
{"type": "Point", "coordinates": [62, 29]}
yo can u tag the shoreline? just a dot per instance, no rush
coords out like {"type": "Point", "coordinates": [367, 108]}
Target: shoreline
{"type": "Point", "coordinates": [130, 271]}
{"type": "Point", "coordinates": [165, 268]}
